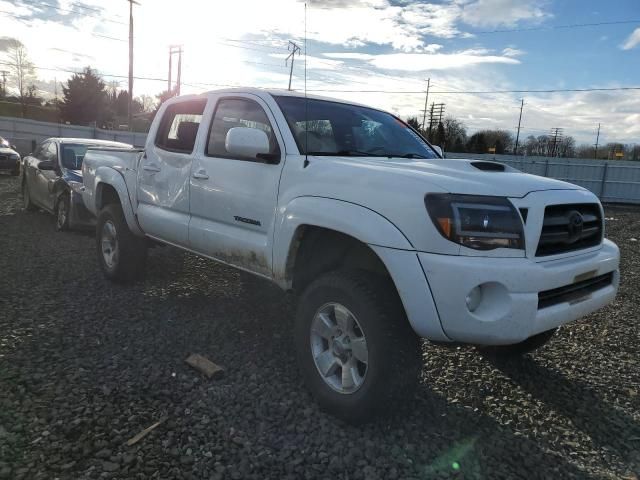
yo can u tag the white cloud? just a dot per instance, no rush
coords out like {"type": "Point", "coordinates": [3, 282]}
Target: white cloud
{"type": "Point", "coordinates": [493, 13]}
{"type": "Point", "coordinates": [350, 56]}
{"type": "Point", "coordinates": [632, 41]}
{"type": "Point", "coordinates": [416, 62]}
{"type": "Point", "coordinates": [512, 52]}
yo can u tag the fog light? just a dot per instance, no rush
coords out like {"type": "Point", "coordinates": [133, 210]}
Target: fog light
{"type": "Point", "coordinates": [473, 298]}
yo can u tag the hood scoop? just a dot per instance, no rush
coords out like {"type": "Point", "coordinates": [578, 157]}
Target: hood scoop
{"type": "Point", "coordinates": [489, 166]}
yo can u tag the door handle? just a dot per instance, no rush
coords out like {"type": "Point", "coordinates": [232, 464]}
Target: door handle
{"type": "Point", "coordinates": [201, 175]}
{"type": "Point", "coordinates": [152, 167]}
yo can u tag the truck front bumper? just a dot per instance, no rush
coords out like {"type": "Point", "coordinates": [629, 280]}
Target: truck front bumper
{"type": "Point", "coordinates": [497, 301]}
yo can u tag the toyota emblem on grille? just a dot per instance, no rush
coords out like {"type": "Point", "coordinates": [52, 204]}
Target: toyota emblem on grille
{"type": "Point", "coordinates": [575, 225]}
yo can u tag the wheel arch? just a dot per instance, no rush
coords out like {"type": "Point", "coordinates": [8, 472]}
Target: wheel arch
{"type": "Point", "coordinates": [326, 222]}
{"type": "Point", "coordinates": [110, 187]}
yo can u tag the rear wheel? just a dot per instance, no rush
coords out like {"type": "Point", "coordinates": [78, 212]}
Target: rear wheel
{"type": "Point", "coordinates": [518, 349]}
{"type": "Point", "coordinates": [62, 213]}
{"type": "Point", "coordinates": [121, 254]}
{"type": "Point", "coordinates": [26, 197]}
{"type": "Point", "coordinates": [356, 350]}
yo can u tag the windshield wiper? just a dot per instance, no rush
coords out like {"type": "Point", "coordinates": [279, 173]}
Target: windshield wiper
{"type": "Point", "coordinates": [408, 155]}
{"type": "Point", "coordinates": [346, 153]}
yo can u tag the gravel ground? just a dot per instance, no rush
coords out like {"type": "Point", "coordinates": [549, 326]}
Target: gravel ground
{"type": "Point", "coordinates": [85, 365]}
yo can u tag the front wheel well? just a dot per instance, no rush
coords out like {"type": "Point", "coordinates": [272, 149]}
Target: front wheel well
{"type": "Point", "coordinates": [317, 250]}
{"type": "Point", "coordinates": [105, 195]}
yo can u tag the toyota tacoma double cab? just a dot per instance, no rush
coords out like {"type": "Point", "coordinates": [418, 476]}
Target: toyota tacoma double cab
{"type": "Point", "coordinates": [381, 240]}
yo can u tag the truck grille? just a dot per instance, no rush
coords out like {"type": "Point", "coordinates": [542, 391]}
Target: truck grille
{"type": "Point", "coordinates": [570, 227]}
{"type": "Point", "coordinates": [575, 291]}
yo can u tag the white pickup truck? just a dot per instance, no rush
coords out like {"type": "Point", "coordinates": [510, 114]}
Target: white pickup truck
{"type": "Point", "coordinates": [381, 239]}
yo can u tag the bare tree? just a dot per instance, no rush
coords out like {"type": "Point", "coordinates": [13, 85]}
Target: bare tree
{"type": "Point", "coordinates": [22, 70]}
{"type": "Point", "coordinates": [147, 102]}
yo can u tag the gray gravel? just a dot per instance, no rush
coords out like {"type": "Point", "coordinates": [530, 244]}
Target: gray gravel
{"type": "Point", "coordinates": [85, 365]}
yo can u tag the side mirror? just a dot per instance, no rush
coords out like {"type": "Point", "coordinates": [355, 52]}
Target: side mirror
{"type": "Point", "coordinates": [438, 150]}
{"type": "Point", "coordinates": [247, 142]}
{"type": "Point", "coordinates": [46, 165]}
{"type": "Point", "coordinates": [13, 147]}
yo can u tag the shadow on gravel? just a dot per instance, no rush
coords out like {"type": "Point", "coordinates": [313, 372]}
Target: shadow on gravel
{"type": "Point", "coordinates": [458, 441]}
{"type": "Point", "coordinates": [607, 426]}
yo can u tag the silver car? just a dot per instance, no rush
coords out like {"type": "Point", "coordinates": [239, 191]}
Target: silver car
{"type": "Point", "coordinates": [9, 158]}
{"type": "Point", "coordinates": [52, 179]}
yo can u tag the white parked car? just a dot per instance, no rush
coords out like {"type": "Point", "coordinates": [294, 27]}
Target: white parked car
{"type": "Point", "coordinates": [381, 239]}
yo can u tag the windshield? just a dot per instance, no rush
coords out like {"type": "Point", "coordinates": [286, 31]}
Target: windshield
{"type": "Point", "coordinates": [323, 127]}
{"type": "Point", "coordinates": [72, 155]}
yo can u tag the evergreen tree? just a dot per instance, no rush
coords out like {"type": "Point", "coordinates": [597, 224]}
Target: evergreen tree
{"type": "Point", "coordinates": [85, 99]}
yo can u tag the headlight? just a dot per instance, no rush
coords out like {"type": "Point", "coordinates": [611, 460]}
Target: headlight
{"type": "Point", "coordinates": [478, 222]}
{"type": "Point", "coordinates": [14, 156]}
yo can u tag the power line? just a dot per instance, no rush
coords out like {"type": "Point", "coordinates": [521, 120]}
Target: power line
{"type": "Point", "coordinates": [557, 27]}
{"type": "Point", "coordinates": [483, 92]}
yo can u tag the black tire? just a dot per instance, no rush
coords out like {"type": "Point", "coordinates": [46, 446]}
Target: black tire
{"type": "Point", "coordinates": [394, 360]}
{"type": "Point", "coordinates": [26, 197]}
{"type": "Point", "coordinates": [519, 349]}
{"type": "Point", "coordinates": [128, 263]}
{"type": "Point", "coordinates": [63, 211]}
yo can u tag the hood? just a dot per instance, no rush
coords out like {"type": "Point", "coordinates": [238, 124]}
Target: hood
{"type": "Point", "coordinates": [460, 175]}
{"type": "Point", "coordinates": [72, 175]}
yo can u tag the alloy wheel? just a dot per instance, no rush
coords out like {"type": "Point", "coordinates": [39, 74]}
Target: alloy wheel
{"type": "Point", "coordinates": [109, 244]}
{"type": "Point", "coordinates": [339, 348]}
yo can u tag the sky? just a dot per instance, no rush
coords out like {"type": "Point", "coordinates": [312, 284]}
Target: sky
{"type": "Point", "coordinates": [376, 52]}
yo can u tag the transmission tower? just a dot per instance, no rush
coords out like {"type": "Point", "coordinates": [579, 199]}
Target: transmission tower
{"type": "Point", "coordinates": [436, 114]}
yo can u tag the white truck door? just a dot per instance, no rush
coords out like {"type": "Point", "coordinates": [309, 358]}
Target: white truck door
{"type": "Point", "coordinates": [164, 172]}
{"type": "Point", "coordinates": [234, 198]}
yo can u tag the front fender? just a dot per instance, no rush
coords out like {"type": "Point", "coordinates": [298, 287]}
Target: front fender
{"type": "Point", "coordinates": [349, 218]}
{"type": "Point", "coordinates": [108, 176]}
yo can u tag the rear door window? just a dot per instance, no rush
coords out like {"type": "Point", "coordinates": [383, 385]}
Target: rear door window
{"type": "Point", "coordinates": [179, 126]}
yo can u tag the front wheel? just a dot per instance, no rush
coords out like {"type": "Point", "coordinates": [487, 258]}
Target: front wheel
{"type": "Point", "coordinates": [356, 350]}
{"type": "Point", "coordinates": [26, 197]}
{"type": "Point", "coordinates": [121, 254]}
{"type": "Point", "coordinates": [62, 213]}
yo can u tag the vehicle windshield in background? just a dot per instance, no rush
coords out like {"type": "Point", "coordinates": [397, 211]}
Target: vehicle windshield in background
{"type": "Point", "coordinates": [322, 127]}
{"type": "Point", "coordinates": [72, 155]}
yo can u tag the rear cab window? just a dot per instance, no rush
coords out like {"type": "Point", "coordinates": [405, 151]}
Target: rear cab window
{"type": "Point", "coordinates": [179, 126]}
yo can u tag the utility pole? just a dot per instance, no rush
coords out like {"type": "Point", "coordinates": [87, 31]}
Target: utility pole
{"type": "Point", "coordinates": [179, 77]}
{"type": "Point", "coordinates": [597, 140]}
{"type": "Point", "coordinates": [556, 137]}
{"type": "Point", "coordinates": [515, 152]}
{"type": "Point", "coordinates": [293, 48]}
{"type": "Point", "coordinates": [175, 50]}
{"type": "Point", "coordinates": [426, 102]}
{"type": "Point", "coordinates": [169, 79]}
{"type": "Point", "coordinates": [130, 105]}
{"type": "Point", "coordinates": [4, 82]}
